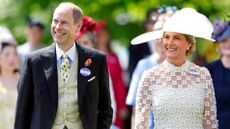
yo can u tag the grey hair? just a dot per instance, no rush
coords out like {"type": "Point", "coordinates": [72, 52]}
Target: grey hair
{"type": "Point", "coordinates": [92, 37]}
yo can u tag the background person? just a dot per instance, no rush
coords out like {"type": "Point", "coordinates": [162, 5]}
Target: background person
{"type": "Point", "coordinates": [140, 51]}
{"type": "Point", "coordinates": [115, 72]}
{"type": "Point", "coordinates": [9, 75]}
{"type": "Point", "coordinates": [87, 37]}
{"type": "Point", "coordinates": [220, 72]}
{"type": "Point", "coordinates": [33, 32]}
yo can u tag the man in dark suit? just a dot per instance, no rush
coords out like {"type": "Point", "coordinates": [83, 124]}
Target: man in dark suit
{"type": "Point", "coordinates": [64, 86]}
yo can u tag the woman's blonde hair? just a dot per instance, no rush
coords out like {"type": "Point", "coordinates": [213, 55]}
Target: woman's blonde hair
{"type": "Point", "coordinates": [192, 41]}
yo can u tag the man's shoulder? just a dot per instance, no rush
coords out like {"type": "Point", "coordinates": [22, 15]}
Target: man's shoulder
{"type": "Point", "coordinates": [42, 51]}
{"type": "Point", "coordinates": [91, 51]}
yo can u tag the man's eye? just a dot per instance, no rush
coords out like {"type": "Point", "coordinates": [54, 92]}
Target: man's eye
{"type": "Point", "coordinates": [64, 23]}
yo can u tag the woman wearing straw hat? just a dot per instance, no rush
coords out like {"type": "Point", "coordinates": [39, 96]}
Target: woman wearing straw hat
{"type": "Point", "coordinates": [220, 72]}
{"type": "Point", "coordinates": [179, 92]}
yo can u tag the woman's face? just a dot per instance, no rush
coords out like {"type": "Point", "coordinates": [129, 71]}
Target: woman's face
{"type": "Point", "coordinates": [9, 59]}
{"type": "Point", "coordinates": [103, 37]}
{"type": "Point", "coordinates": [174, 47]}
{"type": "Point", "coordinates": [225, 47]}
{"type": "Point", "coordinates": [85, 40]}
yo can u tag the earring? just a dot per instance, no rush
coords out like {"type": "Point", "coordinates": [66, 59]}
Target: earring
{"type": "Point", "coordinates": [187, 48]}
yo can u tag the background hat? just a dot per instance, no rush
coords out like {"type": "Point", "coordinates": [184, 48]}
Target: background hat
{"type": "Point", "coordinates": [164, 14]}
{"type": "Point", "coordinates": [151, 16]}
{"type": "Point", "coordinates": [221, 30]}
{"type": "Point", "coordinates": [34, 22]}
{"type": "Point", "coordinates": [89, 25]}
{"type": "Point", "coordinates": [6, 35]}
{"type": "Point", "coordinates": [189, 21]}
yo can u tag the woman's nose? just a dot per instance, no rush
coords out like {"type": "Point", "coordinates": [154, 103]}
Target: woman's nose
{"type": "Point", "coordinates": [170, 41]}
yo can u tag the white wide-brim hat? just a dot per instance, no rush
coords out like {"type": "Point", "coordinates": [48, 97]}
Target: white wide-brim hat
{"type": "Point", "coordinates": [186, 21]}
{"type": "Point", "coordinates": [148, 36]}
{"type": "Point", "coordinates": [189, 21]}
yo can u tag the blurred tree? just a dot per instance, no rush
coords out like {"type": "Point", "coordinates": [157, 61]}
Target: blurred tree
{"type": "Point", "coordinates": [124, 17]}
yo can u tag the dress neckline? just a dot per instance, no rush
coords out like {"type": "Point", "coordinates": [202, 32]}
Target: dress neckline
{"type": "Point", "coordinates": [172, 68]}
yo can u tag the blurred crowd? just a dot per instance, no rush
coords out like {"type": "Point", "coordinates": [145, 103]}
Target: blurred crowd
{"type": "Point", "coordinates": [125, 64]}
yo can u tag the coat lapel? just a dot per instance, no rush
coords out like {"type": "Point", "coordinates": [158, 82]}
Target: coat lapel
{"type": "Point", "coordinates": [50, 69]}
{"type": "Point", "coordinates": [82, 80]}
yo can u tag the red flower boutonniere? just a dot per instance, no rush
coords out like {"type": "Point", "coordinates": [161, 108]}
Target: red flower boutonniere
{"type": "Point", "coordinates": [88, 62]}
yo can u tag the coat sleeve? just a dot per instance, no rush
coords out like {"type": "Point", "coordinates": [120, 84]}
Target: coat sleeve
{"type": "Point", "coordinates": [104, 118]}
{"type": "Point", "coordinates": [25, 97]}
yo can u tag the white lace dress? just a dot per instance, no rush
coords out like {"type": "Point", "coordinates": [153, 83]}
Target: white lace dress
{"type": "Point", "coordinates": [180, 97]}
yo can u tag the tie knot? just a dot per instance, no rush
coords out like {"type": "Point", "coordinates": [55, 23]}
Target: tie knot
{"type": "Point", "coordinates": [65, 56]}
{"type": "Point", "coordinates": [65, 59]}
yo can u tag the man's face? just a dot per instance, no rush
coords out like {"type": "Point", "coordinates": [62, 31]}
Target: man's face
{"type": "Point", "coordinates": [34, 35]}
{"type": "Point", "coordinates": [63, 28]}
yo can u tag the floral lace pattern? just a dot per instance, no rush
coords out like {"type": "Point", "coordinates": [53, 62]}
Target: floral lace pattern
{"type": "Point", "coordinates": [180, 97]}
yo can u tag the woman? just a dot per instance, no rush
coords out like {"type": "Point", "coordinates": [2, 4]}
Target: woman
{"type": "Point", "coordinates": [115, 72]}
{"type": "Point", "coordinates": [87, 36]}
{"type": "Point", "coordinates": [220, 72]}
{"type": "Point", "coordinates": [9, 64]}
{"type": "Point", "coordinates": [179, 92]}
{"type": "Point", "coordinates": [157, 57]}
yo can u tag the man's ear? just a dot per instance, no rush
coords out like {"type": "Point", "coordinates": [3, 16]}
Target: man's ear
{"type": "Point", "coordinates": [78, 27]}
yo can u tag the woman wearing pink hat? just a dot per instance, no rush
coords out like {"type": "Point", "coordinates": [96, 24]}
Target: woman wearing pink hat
{"type": "Point", "coordinates": [179, 92]}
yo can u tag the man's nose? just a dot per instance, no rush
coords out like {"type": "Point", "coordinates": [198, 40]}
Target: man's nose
{"type": "Point", "coordinates": [58, 25]}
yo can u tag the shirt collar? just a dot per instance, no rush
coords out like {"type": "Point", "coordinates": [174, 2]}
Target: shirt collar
{"type": "Point", "coordinates": [71, 52]}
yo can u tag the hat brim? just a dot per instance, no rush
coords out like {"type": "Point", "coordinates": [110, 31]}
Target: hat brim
{"type": "Point", "coordinates": [192, 34]}
{"type": "Point", "coordinates": [146, 37]}
{"type": "Point", "coordinates": [223, 35]}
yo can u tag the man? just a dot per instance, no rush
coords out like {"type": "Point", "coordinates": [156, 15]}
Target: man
{"type": "Point", "coordinates": [64, 86]}
{"type": "Point", "coordinates": [33, 33]}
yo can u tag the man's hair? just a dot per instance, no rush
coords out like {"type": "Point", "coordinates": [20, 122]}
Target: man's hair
{"type": "Point", "coordinates": [77, 11]}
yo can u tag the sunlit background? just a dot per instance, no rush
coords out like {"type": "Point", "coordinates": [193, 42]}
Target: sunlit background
{"type": "Point", "coordinates": [124, 17]}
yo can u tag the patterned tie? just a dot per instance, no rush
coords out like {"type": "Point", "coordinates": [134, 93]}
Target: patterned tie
{"type": "Point", "coordinates": [65, 68]}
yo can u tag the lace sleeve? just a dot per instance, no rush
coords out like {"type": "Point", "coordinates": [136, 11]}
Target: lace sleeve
{"type": "Point", "coordinates": [210, 121]}
{"type": "Point", "coordinates": [143, 103]}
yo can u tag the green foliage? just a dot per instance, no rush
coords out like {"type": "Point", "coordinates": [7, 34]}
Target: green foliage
{"type": "Point", "coordinates": [124, 17]}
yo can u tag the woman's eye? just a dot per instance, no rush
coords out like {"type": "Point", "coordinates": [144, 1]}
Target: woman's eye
{"type": "Point", "coordinates": [176, 37]}
{"type": "Point", "coordinates": [166, 37]}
